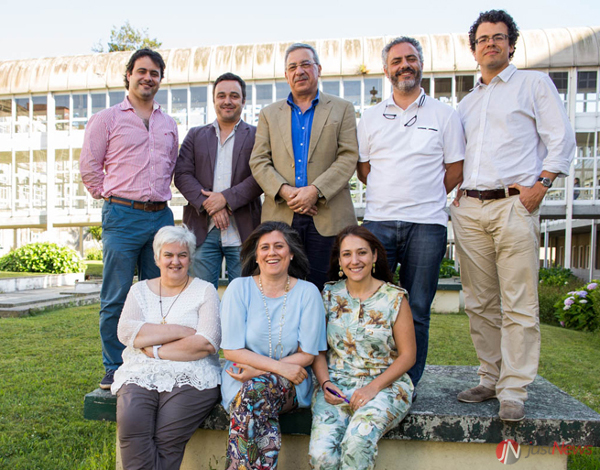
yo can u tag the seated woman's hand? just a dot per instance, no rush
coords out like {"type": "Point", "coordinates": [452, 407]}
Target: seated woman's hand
{"type": "Point", "coordinates": [362, 396]}
{"type": "Point", "coordinates": [148, 351]}
{"type": "Point", "coordinates": [244, 373]}
{"type": "Point", "coordinates": [330, 397]}
{"type": "Point", "coordinates": [293, 372]}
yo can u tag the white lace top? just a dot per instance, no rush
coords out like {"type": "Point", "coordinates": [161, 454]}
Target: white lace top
{"type": "Point", "coordinates": [197, 307]}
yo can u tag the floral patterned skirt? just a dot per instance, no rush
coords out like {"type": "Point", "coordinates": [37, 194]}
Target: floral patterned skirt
{"type": "Point", "coordinates": [254, 433]}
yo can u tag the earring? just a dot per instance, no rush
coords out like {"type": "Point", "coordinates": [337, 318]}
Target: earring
{"type": "Point", "coordinates": [373, 268]}
{"type": "Point", "coordinates": [291, 258]}
{"type": "Point", "coordinates": [341, 273]}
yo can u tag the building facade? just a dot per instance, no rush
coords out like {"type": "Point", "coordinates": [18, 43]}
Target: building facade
{"type": "Point", "coordinates": [45, 105]}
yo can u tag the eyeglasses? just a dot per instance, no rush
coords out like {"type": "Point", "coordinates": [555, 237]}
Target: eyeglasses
{"type": "Point", "coordinates": [304, 65]}
{"type": "Point", "coordinates": [496, 38]}
{"type": "Point", "coordinates": [413, 119]}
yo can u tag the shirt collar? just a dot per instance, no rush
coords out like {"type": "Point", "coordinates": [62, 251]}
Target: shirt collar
{"type": "Point", "coordinates": [218, 128]}
{"type": "Point", "coordinates": [390, 101]}
{"type": "Point", "coordinates": [505, 76]}
{"type": "Point", "coordinates": [315, 101]}
{"type": "Point", "coordinates": [126, 104]}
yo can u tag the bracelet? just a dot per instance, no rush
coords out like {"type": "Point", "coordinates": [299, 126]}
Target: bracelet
{"type": "Point", "coordinates": [323, 384]}
{"type": "Point", "coordinates": [155, 350]}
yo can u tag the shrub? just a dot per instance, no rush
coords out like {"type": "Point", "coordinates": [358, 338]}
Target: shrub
{"type": "Point", "coordinates": [94, 254]}
{"type": "Point", "coordinates": [447, 269]}
{"type": "Point", "coordinates": [578, 309]}
{"type": "Point", "coordinates": [556, 276]}
{"type": "Point", "coordinates": [42, 258]}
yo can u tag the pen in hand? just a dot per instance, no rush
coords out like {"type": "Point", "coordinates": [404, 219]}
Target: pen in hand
{"type": "Point", "coordinates": [333, 392]}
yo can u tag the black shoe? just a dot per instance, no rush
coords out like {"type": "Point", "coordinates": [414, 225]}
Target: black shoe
{"type": "Point", "coordinates": [108, 379]}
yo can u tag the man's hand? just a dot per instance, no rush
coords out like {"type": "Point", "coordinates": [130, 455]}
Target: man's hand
{"type": "Point", "coordinates": [459, 194]}
{"type": "Point", "coordinates": [221, 219]}
{"type": "Point", "coordinates": [532, 197]}
{"type": "Point", "coordinates": [305, 200]}
{"type": "Point", "coordinates": [287, 192]}
{"type": "Point", "coordinates": [214, 202]}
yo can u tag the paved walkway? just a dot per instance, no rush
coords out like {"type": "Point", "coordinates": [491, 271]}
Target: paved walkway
{"type": "Point", "coordinates": [29, 302]}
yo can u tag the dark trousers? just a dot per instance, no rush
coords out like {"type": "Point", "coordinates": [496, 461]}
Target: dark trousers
{"type": "Point", "coordinates": [317, 248]}
{"type": "Point", "coordinates": [419, 248]}
{"type": "Point", "coordinates": [154, 427]}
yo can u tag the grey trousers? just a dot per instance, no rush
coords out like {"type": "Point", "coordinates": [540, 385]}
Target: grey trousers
{"type": "Point", "coordinates": [154, 427]}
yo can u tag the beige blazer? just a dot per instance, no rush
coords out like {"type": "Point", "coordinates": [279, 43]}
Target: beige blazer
{"type": "Point", "coordinates": [332, 158]}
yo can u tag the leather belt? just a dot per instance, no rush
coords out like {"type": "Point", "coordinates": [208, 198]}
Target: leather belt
{"type": "Point", "coordinates": [491, 193]}
{"type": "Point", "coordinates": [139, 205]}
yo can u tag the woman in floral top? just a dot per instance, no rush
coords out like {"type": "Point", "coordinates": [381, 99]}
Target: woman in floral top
{"type": "Point", "coordinates": [364, 388]}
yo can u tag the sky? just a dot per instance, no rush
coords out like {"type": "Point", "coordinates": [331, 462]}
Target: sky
{"type": "Point", "coordinates": [36, 28]}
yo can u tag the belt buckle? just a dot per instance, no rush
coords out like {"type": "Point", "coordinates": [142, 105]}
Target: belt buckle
{"type": "Point", "coordinates": [480, 194]}
{"type": "Point", "coordinates": [506, 192]}
{"type": "Point", "coordinates": [148, 206]}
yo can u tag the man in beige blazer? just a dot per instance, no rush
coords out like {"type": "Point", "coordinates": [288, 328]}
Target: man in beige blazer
{"type": "Point", "coordinates": [304, 155]}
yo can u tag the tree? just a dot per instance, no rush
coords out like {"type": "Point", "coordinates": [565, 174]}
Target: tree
{"type": "Point", "coordinates": [127, 38]}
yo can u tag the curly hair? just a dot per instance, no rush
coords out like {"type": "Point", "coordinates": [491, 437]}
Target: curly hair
{"type": "Point", "coordinates": [299, 266]}
{"type": "Point", "coordinates": [145, 52]}
{"type": "Point", "coordinates": [496, 16]}
{"type": "Point", "coordinates": [382, 271]}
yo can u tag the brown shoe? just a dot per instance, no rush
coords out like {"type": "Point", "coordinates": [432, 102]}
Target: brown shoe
{"type": "Point", "coordinates": [476, 394]}
{"type": "Point", "coordinates": [511, 410]}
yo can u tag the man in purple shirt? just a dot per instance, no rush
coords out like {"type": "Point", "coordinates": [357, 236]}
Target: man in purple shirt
{"type": "Point", "coordinates": [128, 157]}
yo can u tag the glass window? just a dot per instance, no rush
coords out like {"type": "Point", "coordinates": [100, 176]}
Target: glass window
{"type": "Point", "coordinates": [352, 94]}
{"type": "Point", "coordinates": [426, 85]}
{"type": "Point", "coordinates": [332, 87]}
{"type": "Point", "coordinates": [162, 98]}
{"type": "Point", "coordinates": [81, 194]}
{"type": "Point", "coordinates": [23, 180]}
{"type": "Point", "coordinates": [464, 85]}
{"type": "Point", "coordinates": [443, 90]}
{"type": "Point", "coordinates": [282, 90]}
{"type": "Point", "coordinates": [586, 92]}
{"type": "Point", "coordinates": [115, 97]}
{"type": "Point", "coordinates": [5, 116]}
{"type": "Point", "coordinates": [5, 181]}
{"type": "Point", "coordinates": [40, 177]}
{"type": "Point", "coordinates": [80, 111]}
{"type": "Point", "coordinates": [61, 112]}
{"type": "Point", "coordinates": [98, 102]}
{"type": "Point", "coordinates": [40, 113]}
{"type": "Point", "coordinates": [198, 104]}
{"type": "Point", "coordinates": [584, 167]}
{"type": "Point", "coordinates": [561, 82]}
{"type": "Point", "coordinates": [373, 91]}
{"type": "Point", "coordinates": [61, 178]}
{"type": "Point", "coordinates": [22, 124]}
{"type": "Point", "coordinates": [247, 113]}
{"type": "Point", "coordinates": [179, 105]}
{"type": "Point", "coordinates": [264, 97]}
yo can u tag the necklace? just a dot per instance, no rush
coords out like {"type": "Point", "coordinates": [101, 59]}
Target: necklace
{"type": "Point", "coordinates": [279, 346]}
{"type": "Point", "coordinates": [164, 317]}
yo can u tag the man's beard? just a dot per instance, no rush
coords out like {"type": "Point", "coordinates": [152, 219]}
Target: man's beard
{"type": "Point", "coordinates": [406, 86]}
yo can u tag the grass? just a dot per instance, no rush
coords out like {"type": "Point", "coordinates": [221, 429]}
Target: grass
{"type": "Point", "coordinates": [93, 268]}
{"type": "Point", "coordinates": [49, 362]}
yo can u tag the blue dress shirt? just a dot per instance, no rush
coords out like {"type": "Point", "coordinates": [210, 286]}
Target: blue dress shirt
{"type": "Point", "coordinates": [301, 129]}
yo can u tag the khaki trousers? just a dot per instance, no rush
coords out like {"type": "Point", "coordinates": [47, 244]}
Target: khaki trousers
{"type": "Point", "coordinates": [497, 243]}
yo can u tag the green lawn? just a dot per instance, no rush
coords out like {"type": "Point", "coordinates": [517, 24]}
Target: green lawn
{"type": "Point", "coordinates": [93, 268]}
{"type": "Point", "coordinates": [49, 362]}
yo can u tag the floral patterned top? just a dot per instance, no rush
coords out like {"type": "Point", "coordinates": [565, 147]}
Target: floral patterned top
{"type": "Point", "coordinates": [359, 334]}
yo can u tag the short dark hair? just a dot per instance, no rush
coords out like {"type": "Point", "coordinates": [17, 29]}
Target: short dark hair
{"type": "Point", "coordinates": [382, 271]}
{"type": "Point", "coordinates": [154, 57]}
{"type": "Point", "coordinates": [496, 16]}
{"type": "Point", "coordinates": [299, 266]}
{"type": "Point", "coordinates": [230, 76]}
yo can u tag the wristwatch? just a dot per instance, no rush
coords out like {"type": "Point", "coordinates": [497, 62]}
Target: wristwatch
{"type": "Point", "coordinates": [546, 182]}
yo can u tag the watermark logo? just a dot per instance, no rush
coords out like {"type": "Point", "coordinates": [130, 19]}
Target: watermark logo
{"type": "Point", "coordinates": [508, 452]}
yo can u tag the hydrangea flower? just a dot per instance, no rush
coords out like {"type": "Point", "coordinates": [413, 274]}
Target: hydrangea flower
{"type": "Point", "coordinates": [569, 301]}
{"type": "Point", "coordinates": [583, 301]}
{"type": "Point", "coordinates": [567, 307]}
{"type": "Point", "coordinates": [562, 323]}
{"type": "Point", "coordinates": [592, 286]}
{"type": "Point", "coordinates": [582, 293]}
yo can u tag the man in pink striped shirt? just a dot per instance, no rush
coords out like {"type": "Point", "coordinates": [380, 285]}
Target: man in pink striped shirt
{"type": "Point", "coordinates": [128, 157]}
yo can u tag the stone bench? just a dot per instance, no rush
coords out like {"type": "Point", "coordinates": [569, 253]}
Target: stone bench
{"type": "Point", "coordinates": [438, 433]}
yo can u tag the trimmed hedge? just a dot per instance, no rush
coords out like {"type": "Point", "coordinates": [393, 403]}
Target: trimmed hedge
{"type": "Point", "coordinates": [45, 257]}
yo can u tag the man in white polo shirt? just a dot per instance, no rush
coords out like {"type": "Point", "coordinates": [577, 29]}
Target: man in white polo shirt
{"type": "Point", "coordinates": [411, 151]}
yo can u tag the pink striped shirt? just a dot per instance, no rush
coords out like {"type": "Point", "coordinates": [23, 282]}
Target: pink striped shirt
{"type": "Point", "coordinates": [121, 158]}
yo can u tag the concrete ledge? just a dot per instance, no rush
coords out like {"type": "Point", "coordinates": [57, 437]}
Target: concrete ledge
{"type": "Point", "coordinates": [15, 284]}
{"type": "Point", "coordinates": [551, 414]}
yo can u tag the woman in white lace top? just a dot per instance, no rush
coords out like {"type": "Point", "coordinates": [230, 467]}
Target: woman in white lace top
{"type": "Point", "coordinates": [170, 377]}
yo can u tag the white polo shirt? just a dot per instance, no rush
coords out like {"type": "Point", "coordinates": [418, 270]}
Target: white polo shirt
{"type": "Point", "coordinates": [406, 181]}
